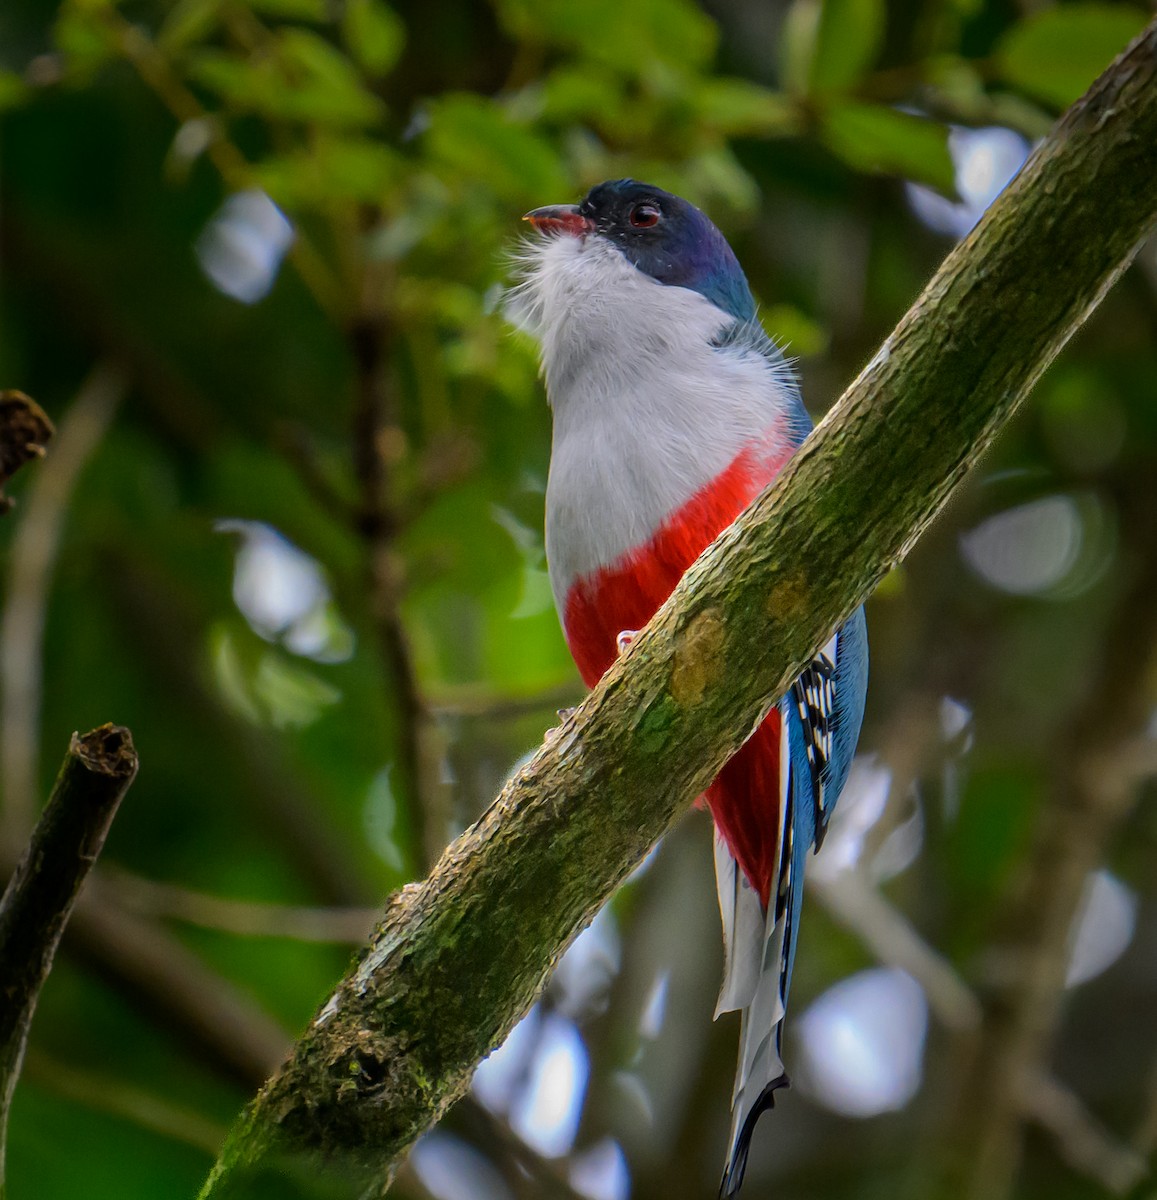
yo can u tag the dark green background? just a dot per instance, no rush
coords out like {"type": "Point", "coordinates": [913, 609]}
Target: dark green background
{"type": "Point", "coordinates": [404, 144]}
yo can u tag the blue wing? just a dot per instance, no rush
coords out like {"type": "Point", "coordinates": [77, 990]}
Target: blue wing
{"type": "Point", "coordinates": [829, 702]}
{"type": "Point", "coordinates": [823, 723]}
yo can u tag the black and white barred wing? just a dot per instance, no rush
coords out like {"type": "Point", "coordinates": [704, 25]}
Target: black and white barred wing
{"type": "Point", "coordinates": [814, 694]}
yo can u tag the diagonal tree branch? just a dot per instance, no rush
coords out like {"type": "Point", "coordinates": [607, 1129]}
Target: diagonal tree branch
{"type": "Point", "coordinates": [458, 958]}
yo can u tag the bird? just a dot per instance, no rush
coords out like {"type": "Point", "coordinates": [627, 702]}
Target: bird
{"type": "Point", "coordinates": [672, 409]}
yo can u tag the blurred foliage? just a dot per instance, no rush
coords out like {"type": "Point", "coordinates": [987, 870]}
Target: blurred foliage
{"type": "Point", "coordinates": [314, 724]}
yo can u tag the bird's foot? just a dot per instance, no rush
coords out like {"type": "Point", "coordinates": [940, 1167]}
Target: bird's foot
{"type": "Point", "coordinates": [555, 730]}
{"type": "Point", "coordinates": [625, 638]}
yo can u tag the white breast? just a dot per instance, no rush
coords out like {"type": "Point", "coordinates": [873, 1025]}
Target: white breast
{"type": "Point", "coordinates": [646, 409]}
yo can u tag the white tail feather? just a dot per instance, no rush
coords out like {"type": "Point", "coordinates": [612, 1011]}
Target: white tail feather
{"type": "Point", "coordinates": [759, 1061]}
{"type": "Point", "coordinates": [743, 930]}
{"type": "Point", "coordinates": [755, 955]}
{"type": "Point", "coordinates": [760, 1070]}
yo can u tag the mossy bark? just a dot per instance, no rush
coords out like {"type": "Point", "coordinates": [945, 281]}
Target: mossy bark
{"type": "Point", "coordinates": [459, 958]}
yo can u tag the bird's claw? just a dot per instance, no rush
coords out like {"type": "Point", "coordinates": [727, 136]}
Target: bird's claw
{"type": "Point", "coordinates": [555, 730]}
{"type": "Point", "coordinates": [625, 638]}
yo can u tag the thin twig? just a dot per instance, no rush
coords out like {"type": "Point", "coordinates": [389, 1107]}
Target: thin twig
{"type": "Point", "coordinates": [225, 1027]}
{"type": "Point", "coordinates": [109, 1094]}
{"type": "Point", "coordinates": [97, 772]}
{"type": "Point", "coordinates": [32, 560]}
{"type": "Point", "coordinates": [854, 903]}
{"type": "Point", "coordinates": [480, 703]}
{"type": "Point", "coordinates": [378, 440]}
{"type": "Point", "coordinates": [245, 918]}
{"type": "Point", "coordinates": [1081, 1139]}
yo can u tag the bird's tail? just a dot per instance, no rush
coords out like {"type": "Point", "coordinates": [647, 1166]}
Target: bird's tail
{"type": "Point", "coordinates": [759, 949]}
{"type": "Point", "coordinates": [753, 984]}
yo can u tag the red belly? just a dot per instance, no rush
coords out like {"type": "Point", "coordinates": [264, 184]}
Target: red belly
{"type": "Point", "coordinates": [626, 593]}
{"type": "Point", "coordinates": [744, 803]}
{"type": "Point", "coordinates": [744, 799]}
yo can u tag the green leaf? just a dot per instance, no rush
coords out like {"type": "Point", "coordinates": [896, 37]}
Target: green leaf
{"type": "Point", "coordinates": [326, 77]}
{"type": "Point", "coordinates": [582, 92]}
{"type": "Point", "coordinates": [961, 84]}
{"type": "Point", "coordinates": [374, 34]}
{"type": "Point", "coordinates": [1054, 55]}
{"type": "Point", "coordinates": [848, 40]}
{"type": "Point", "coordinates": [232, 78]}
{"type": "Point", "coordinates": [188, 22]}
{"type": "Point", "coordinates": [797, 44]}
{"type": "Point", "coordinates": [737, 108]}
{"type": "Point", "coordinates": [333, 168]}
{"type": "Point", "coordinates": [358, 168]}
{"type": "Point", "coordinates": [482, 146]}
{"type": "Point", "coordinates": [293, 696]}
{"type": "Point", "coordinates": [828, 45]}
{"type": "Point", "coordinates": [633, 36]}
{"type": "Point", "coordinates": [717, 175]}
{"type": "Point", "coordinates": [233, 669]}
{"type": "Point", "coordinates": [873, 138]}
{"type": "Point", "coordinates": [264, 685]}
{"type": "Point", "coordinates": [305, 79]}
{"type": "Point", "coordinates": [1015, 111]}
{"type": "Point", "coordinates": [82, 37]}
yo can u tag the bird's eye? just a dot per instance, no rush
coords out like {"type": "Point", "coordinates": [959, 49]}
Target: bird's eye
{"type": "Point", "coordinates": [644, 215]}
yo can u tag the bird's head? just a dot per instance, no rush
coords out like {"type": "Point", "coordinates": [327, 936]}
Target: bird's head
{"type": "Point", "coordinates": [664, 236]}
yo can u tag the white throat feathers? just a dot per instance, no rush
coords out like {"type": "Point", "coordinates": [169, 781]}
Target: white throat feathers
{"type": "Point", "coordinates": [648, 407]}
